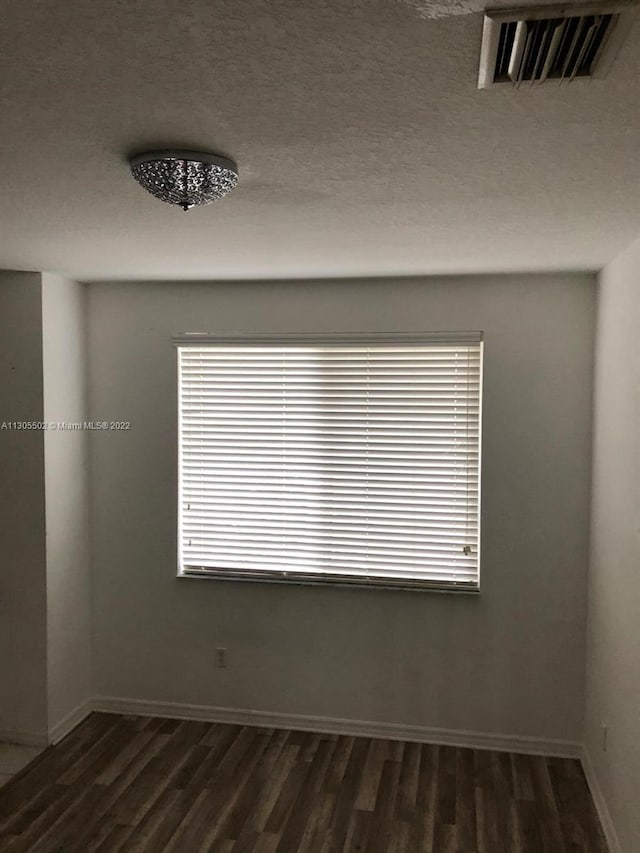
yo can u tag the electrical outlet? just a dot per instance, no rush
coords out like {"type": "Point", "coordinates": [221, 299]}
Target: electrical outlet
{"type": "Point", "coordinates": [605, 734]}
{"type": "Point", "coordinates": [221, 658]}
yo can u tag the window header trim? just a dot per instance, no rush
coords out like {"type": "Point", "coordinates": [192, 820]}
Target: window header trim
{"type": "Point", "coordinates": [182, 339]}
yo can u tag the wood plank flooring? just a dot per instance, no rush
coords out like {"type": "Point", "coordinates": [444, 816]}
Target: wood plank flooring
{"type": "Point", "coordinates": [166, 786]}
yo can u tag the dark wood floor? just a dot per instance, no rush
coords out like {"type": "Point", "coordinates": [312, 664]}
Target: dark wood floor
{"type": "Point", "coordinates": [164, 786]}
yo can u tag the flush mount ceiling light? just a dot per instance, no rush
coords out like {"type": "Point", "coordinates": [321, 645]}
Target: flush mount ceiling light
{"type": "Point", "coordinates": [186, 178]}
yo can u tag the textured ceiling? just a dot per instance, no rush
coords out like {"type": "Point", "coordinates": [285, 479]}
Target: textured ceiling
{"type": "Point", "coordinates": [363, 144]}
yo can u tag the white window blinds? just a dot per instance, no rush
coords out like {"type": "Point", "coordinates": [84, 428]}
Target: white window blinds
{"type": "Point", "coordinates": [353, 462]}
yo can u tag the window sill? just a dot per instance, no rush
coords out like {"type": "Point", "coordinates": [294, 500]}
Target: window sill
{"type": "Point", "coordinates": [342, 583]}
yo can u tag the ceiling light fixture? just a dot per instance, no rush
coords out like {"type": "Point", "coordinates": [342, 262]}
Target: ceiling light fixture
{"type": "Point", "coordinates": [186, 178]}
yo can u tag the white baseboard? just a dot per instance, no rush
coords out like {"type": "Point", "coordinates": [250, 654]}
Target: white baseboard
{"type": "Point", "coordinates": [66, 724]}
{"type": "Point", "coordinates": [55, 733]}
{"type": "Point", "coordinates": [601, 806]}
{"type": "Point", "coordinates": [334, 725]}
{"type": "Point", "coordinates": [24, 738]}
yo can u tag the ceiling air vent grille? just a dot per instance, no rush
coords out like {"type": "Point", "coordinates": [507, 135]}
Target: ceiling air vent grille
{"type": "Point", "coordinates": [530, 46]}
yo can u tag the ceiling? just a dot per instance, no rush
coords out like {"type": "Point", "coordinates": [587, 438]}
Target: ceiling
{"type": "Point", "coordinates": [363, 144]}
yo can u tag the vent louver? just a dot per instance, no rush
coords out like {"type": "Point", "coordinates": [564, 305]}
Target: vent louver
{"type": "Point", "coordinates": [529, 46]}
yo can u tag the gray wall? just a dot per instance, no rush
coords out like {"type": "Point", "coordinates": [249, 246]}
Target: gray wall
{"type": "Point", "coordinates": [509, 661]}
{"type": "Point", "coordinates": [613, 648]}
{"type": "Point", "coordinates": [23, 652]}
{"type": "Point", "coordinates": [45, 628]}
{"type": "Point", "coordinates": [67, 498]}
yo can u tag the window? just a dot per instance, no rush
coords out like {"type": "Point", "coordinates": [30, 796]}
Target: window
{"type": "Point", "coordinates": [344, 461]}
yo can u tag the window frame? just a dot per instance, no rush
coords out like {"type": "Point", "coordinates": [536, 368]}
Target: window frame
{"type": "Point", "coordinates": [200, 339]}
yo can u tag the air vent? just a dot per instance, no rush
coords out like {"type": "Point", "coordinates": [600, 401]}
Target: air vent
{"type": "Point", "coordinates": [530, 46]}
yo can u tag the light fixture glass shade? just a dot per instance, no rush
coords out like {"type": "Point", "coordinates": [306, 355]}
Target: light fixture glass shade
{"type": "Point", "coordinates": [185, 178]}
